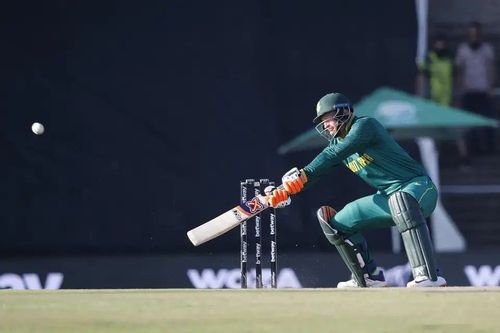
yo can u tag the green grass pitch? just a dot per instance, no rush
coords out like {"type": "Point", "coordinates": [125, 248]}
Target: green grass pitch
{"type": "Point", "coordinates": [304, 310]}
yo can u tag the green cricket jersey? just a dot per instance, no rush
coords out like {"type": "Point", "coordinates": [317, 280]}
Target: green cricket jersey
{"type": "Point", "coordinates": [369, 151]}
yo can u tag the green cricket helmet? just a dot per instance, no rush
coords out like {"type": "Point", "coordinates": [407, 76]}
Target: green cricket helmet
{"type": "Point", "coordinates": [341, 109]}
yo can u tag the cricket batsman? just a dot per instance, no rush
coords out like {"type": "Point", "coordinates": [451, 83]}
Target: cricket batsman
{"type": "Point", "coordinates": [404, 197]}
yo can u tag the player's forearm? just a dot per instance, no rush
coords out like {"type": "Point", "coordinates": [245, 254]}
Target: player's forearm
{"type": "Point", "coordinates": [311, 180]}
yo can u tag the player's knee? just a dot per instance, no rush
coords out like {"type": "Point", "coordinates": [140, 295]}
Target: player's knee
{"type": "Point", "coordinates": [325, 214]}
{"type": "Point", "coordinates": [405, 211]}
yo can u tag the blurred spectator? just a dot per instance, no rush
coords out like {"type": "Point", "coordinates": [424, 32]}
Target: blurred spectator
{"type": "Point", "coordinates": [436, 73]}
{"type": "Point", "coordinates": [476, 76]}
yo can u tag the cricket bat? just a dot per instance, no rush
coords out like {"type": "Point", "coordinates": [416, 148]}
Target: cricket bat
{"type": "Point", "coordinates": [227, 221]}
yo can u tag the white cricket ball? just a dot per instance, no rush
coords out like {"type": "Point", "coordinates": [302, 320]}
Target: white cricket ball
{"type": "Point", "coordinates": [37, 128]}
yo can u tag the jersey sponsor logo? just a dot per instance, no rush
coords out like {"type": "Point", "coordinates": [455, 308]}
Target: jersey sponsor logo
{"type": "Point", "coordinates": [360, 163]}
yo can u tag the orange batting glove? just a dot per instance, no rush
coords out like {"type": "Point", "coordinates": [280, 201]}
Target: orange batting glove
{"type": "Point", "coordinates": [294, 180]}
{"type": "Point", "coordinates": [277, 198]}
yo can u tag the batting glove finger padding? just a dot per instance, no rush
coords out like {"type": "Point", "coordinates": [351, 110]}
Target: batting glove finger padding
{"type": "Point", "coordinates": [294, 181]}
{"type": "Point", "coordinates": [278, 198]}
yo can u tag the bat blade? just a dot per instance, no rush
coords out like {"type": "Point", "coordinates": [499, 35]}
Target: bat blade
{"type": "Point", "coordinates": [227, 221]}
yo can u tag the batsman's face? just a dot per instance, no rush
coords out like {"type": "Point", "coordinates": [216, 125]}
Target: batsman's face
{"type": "Point", "coordinates": [330, 124]}
{"type": "Point", "coordinates": [334, 124]}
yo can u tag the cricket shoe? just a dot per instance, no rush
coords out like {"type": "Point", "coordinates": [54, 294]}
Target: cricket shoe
{"type": "Point", "coordinates": [375, 280]}
{"type": "Point", "coordinates": [425, 282]}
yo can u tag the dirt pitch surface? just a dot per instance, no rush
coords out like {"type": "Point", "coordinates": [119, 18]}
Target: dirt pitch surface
{"type": "Point", "coordinates": [452, 309]}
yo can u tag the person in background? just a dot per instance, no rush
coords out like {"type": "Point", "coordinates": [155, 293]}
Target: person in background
{"type": "Point", "coordinates": [437, 70]}
{"type": "Point", "coordinates": [475, 61]}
